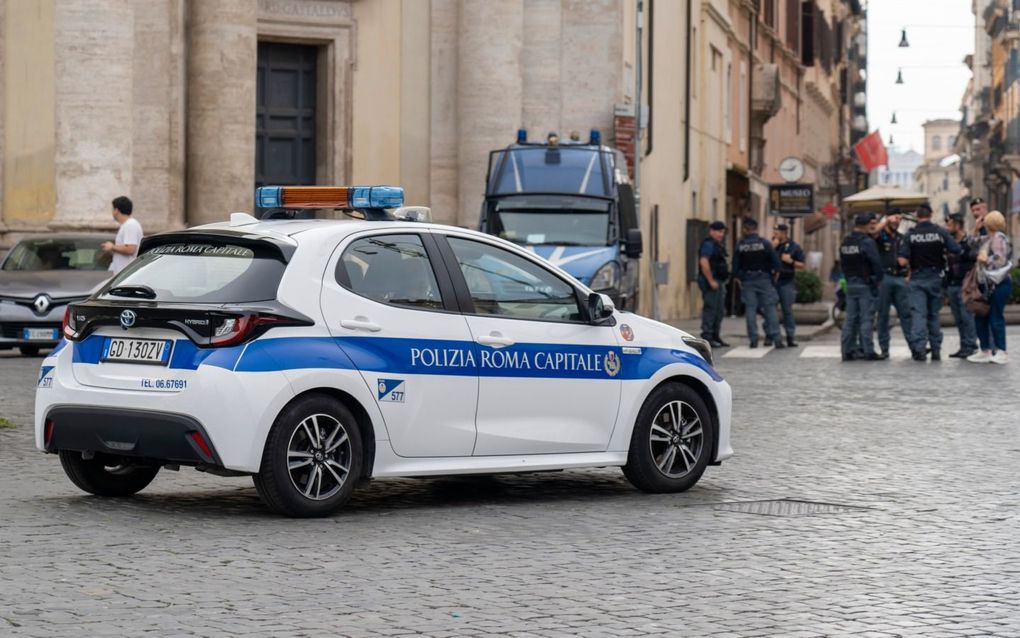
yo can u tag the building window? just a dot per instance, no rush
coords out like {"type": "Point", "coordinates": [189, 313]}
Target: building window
{"type": "Point", "coordinates": [951, 143]}
{"type": "Point", "coordinates": [936, 142]}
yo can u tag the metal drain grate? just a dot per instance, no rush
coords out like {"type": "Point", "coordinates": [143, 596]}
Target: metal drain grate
{"type": "Point", "coordinates": [786, 507]}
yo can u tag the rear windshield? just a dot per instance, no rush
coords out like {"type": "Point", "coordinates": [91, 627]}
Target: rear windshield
{"type": "Point", "coordinates": [82, 253]}
{"type": "Point", "coordinates": [204, 273]}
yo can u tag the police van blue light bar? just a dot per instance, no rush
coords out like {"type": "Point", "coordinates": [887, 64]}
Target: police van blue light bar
{"type": "Point", "coordinates": [348, 197]}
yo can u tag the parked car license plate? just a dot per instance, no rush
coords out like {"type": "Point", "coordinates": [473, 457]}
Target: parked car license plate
{"type": "Point", "coordinates": [39, 334]}
{"type": "Point", "coordinates": [151, 351]}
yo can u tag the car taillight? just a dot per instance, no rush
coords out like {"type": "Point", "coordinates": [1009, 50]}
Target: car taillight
{"type": "Point", "coordinates": [68, 326]}
{"type": "Point", "coordinates": [237, 330]}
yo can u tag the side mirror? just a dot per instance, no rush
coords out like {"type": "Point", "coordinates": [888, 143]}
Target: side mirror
{"type": "Point", "coordinates": [633, 246]}
{"type": "Point", "coordinates": [600, 307]}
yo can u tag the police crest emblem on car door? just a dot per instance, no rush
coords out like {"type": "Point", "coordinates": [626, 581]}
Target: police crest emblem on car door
{"type": "Point", "coordinates": [391, 390]}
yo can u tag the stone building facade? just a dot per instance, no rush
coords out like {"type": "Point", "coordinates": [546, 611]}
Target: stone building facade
{"type": "Point", "coordinates": [188, 105]}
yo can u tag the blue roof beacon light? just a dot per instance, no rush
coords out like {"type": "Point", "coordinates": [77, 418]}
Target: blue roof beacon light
{"type": "Point", "coordinates": [522, 136]}
{"type": "Point", "coordinates": [376, 196]}
{"type": "Point", "coordinates": [345, 197]}
{"type": "Point", "coordinates": [269, 196]}
{"type": "Point", "coordinates": [595, 138]}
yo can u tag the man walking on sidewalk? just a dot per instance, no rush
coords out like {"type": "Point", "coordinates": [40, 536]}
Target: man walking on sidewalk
{"type": "Point", "coordinates": [755, 265]}
{"type": "Point", "coordinates": [125, 247]}
{"type": "Point", "coordinates": [713, 271]}
{"type": "Point", "coordinates": [791, 259]}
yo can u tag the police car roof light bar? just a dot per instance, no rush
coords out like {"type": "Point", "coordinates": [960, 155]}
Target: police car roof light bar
{"type": "Point", "coordinates": [346, 197]}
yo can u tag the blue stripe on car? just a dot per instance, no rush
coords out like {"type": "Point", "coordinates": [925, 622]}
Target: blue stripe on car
{"type": "Point", "coordinates": [422, 356]}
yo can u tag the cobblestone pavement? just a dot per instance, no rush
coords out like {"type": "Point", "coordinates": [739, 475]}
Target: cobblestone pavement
{"type": "Point", "coordinates": [924, 459]}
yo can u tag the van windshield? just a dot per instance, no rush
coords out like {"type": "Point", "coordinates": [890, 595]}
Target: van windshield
{"type": "Point", "coordinates": [569, 221]}
{"type": "Point", "coordinates": [203, 273]}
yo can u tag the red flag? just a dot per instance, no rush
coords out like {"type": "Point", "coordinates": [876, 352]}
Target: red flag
{"type": "Point", "coordinates": [871, 152]}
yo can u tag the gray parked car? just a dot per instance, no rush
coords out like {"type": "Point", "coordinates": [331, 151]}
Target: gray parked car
{"type": "Point", "coordinates": [38, 278]}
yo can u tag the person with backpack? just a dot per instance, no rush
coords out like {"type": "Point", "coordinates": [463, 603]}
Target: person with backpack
{"type": "Point", "coordinates": [992, 274]}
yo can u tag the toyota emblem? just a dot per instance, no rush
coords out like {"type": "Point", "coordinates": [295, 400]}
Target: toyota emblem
{"type": "Point", "coordinates": [127, 319]}
{"type": "Point", "coordinates": [41, 304]}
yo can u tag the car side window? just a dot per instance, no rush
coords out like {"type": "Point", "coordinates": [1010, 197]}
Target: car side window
{"type": "Point", "coordinates": [507, 285]}
{"type": "Point", "coordinates": [391, 269]}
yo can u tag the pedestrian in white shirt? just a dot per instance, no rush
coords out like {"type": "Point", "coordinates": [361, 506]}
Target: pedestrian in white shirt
{"type": "Point", "coordinates": [129, 236]}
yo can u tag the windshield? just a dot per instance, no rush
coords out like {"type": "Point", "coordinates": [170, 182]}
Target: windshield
{"type": "Point", "coordinates": [202, 273]}
{"type": "Point", "coordinates": [558, 169]}
{"type": "Point", "coordinates": [58, 254]}
{"type": "Point", "coordinates": [571, 221]}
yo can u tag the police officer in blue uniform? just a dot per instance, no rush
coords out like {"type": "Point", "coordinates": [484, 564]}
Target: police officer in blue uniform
{"type": "Point", "coordinates": [755, 265]}
{"type": "Point", "coordinates": [959, 266]}
{"type": "Point", "coordinates": [924, 250]}
{"type": "Point", "coordinates": [713, 271]}
{"type": "Point", "coordinates": [892, 292]}
{"type": "Point", "coordinates": [791, 259]}
{"type": "Point", "coordinates": [862, 267]}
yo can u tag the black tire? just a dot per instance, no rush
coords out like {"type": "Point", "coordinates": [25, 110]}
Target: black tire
{"type": "Point", "coordinates": [290, 491]}
{"type": "Point", "coordinates": [646, 458]}
{"type": "Point", "coordinates": [103, 477]}
{"type": "Point", "coordinates": [29, 351]}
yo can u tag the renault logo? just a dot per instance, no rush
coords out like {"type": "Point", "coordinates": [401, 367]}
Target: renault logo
{"type": "Point", "coordinates": [42, 304]}
{"type": "Point", "coordinates": [127, 319]}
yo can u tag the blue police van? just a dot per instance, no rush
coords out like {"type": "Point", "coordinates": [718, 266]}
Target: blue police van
{"type": "Point", "coordinates": [572, 203]}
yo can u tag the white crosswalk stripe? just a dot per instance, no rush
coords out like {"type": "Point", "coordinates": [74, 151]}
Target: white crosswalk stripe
{"type": "Point", "coordinates": [744, 352]}
{"type": "Point", "coordinates": [832, 351]}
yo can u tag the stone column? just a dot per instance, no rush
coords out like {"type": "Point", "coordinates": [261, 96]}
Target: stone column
{"type": "Point", "coordinates": [223, 46]}
{"type": "Point", "coordinates": [592, 47]}
{"type": "Point", "coordinates": [489, 91]}
{"type": "Point", "coordinates": [94, 46]}
{"type": "Point", "coordinates": [541, 68]}
{"type": "Point", "coordinates": [443, 183]}
{"type": "Point", "coordinates": [158, 163]}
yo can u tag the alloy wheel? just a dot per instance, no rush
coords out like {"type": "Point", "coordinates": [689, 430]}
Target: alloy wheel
{"type": "Point", "coordinates": [319, 457]}
{"type": "Point", "coordinates": [676, 439]}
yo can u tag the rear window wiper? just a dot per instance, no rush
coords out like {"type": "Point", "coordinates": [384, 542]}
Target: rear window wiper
{"type": "Point", "coordinates": [143, 292]}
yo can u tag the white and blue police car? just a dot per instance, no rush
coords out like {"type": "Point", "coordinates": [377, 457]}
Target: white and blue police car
{"type": "Point", "coordinates": [314, 354]}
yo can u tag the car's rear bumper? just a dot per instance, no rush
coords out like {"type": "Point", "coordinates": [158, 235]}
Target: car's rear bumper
{"type": "Point", "coordinates": [142, 434]}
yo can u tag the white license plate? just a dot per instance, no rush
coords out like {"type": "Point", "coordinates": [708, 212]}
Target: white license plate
{"type": "Point", "coordinates": [39, 334]}
{"type": "Point", "coordinates": [152, 351]}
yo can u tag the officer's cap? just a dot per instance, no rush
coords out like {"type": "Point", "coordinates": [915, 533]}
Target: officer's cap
{"type": "Point", "coordinates": [782, 228]}
{"type": "Point", "coordinates": [717, 226]}
{"type": "Point", "coordinates": [749, 222]}
{"type": "Point", "coordinates": [956, 217]}
{"type": "Point", "coordinates": [863, 219]}
{"type": "Point", "coordinates": [924, 210]}
{"type": "Point", "coordinates": [976, 201]}
{"type": "Point", "coordinates": [895, 210]}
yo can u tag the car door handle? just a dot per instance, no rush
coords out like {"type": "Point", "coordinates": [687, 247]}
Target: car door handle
{"type": "Point", "coordinates": [360, 323]}
{"type": "Point", "coordinates": [495, 339]}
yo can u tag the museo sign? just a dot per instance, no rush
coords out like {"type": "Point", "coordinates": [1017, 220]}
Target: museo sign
{"type": "Point", "coordinates": [791, 200]}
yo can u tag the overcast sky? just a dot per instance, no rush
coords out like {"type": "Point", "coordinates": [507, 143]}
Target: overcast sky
{"type": "Point", "coordinates": [941, 33]}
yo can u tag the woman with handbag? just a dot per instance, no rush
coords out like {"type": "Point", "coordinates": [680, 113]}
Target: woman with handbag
{"type": "Point", "coordinates": [994, 263]}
